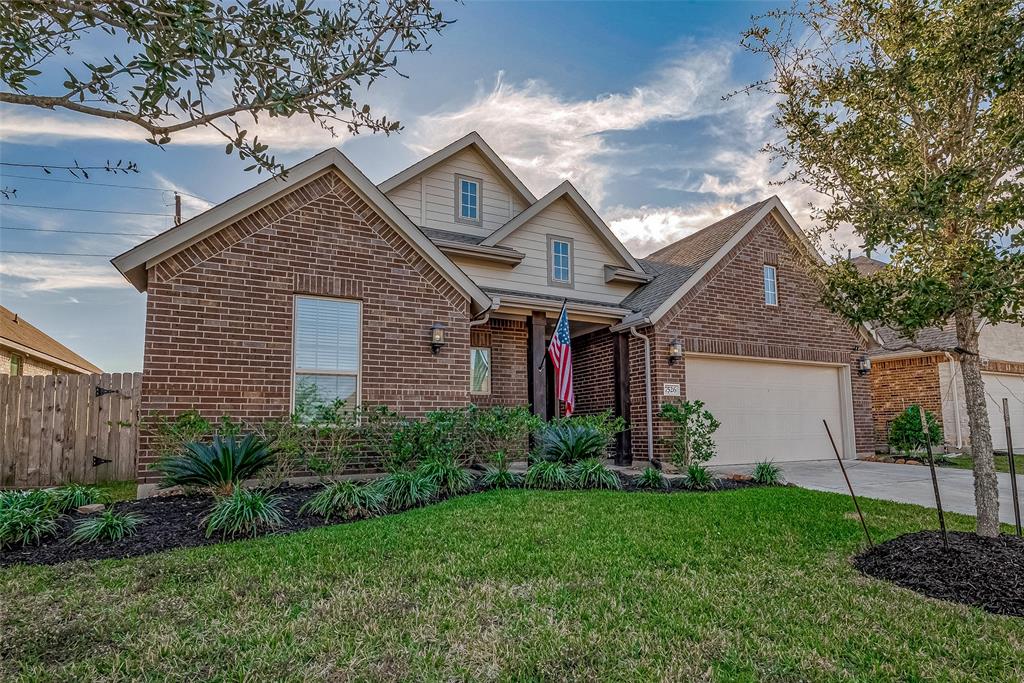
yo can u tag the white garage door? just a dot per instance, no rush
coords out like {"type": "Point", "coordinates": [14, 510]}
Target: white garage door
{"type": "Point", "coordinates": [768, 411]}
{"type": "Point", "coordinates": [1010, 387]}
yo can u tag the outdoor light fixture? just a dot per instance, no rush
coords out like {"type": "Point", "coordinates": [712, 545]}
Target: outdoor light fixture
{"type": "Point", "coordinates": [675, 351]}
{"type": "Point", "coordinates": [864, 365]}
{"type": "Point", "coordinates": [436, 337]}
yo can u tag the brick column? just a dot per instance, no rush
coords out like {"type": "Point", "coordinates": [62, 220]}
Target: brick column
{"type": "Point", "coordinates": [537, 372]}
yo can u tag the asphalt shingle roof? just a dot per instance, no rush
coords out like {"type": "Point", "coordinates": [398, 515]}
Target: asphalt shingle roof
{"type": "Point", "coordinates": [16, 329]}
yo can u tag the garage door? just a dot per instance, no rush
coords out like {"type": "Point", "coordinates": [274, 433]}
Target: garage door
{"type": "Point", "coordinates": [768, 410]}
{"type": "Point", "coordinates": [1011, 387]}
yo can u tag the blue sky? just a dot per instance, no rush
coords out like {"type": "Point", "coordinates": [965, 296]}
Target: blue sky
{"type": "Point", "coordinates": [624, 99]}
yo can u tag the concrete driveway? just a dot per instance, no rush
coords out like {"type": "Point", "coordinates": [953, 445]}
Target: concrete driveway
{"type": "Point", "coordinates": [899, 483]}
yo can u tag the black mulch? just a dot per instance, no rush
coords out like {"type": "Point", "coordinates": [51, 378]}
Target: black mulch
{"type": "Point", "coordinates": [176, 522]}
{"type": "Point", "coordinates": [984, 572]}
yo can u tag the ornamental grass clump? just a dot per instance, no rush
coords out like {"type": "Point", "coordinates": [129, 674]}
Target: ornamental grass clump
{"type": "Point", "coordinates": [651, 478]}
{"type": "Point", "coordinates": [594, 474]}
{"type": "Point", "coordinates": [698, 478]}
{"type": "Point", "coordinates": [406, 488]}
{"type": "Point", "coordinates": [548, 474]}
{"type": "Point", "coordinates": [106, 526]}
{"type": "Point", "coordinates": [444, 472]}
{"type": "Point", "coordinates": [346, 499]}
{"type": "Point", "coordinates": [74, 496]}
{"type": "Point", "coordinates": [499, 476]}
{"type": "Point", "coordinates": [244, 512]}
{"type": "Point", "coordinates": [571, 443]}
{"type": "Point", "coordinates": [767, 473]}
{"type": "Point", "coordinates": [218, 466]}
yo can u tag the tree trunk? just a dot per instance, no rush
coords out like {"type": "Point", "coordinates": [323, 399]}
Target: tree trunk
{"type": "Point", "coordinates": [986, 485]}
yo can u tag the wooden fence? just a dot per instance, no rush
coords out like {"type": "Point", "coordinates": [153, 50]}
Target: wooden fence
{"type": "Point", "coordinates": [56, 429]}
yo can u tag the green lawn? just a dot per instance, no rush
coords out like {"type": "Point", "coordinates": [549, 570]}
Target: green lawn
{"type": "Point", "coordinates": [520, 585]}
{"type": "Point", "coordinates": [119, 490]}
{"type": "Point", "coordinates": [1002, 462]}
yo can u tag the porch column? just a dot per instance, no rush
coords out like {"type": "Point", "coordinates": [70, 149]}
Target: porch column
{"type": "Point", "coordinates": [537, 325]}
{"type": "Point", "coordinates": [620, 363]}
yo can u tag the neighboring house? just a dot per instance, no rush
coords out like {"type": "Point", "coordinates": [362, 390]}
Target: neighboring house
{"type": "Point", "coordinates": [441, 286]}
{"type": "Point", "coordinates": [25, 350]}
{"type": "Point", "coordinates": [902, 376]}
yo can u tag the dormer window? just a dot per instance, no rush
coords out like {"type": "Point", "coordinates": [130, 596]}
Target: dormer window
{"type": "Point", "coordinates": [467, 200]}
{"type": "Point", "coordinates": [560, 261]}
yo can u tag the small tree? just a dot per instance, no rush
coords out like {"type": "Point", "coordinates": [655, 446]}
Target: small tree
{"type": "Point", "coordinates": [692, 436]}
{"type": "Point", "coordinates": [906, 434]}
{"type": "Point", "coordinates": [167, 66]}
{"type": "Point", "coordinates": [907, 117]}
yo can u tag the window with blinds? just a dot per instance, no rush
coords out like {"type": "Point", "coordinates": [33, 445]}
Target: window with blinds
{"type": "Point", "coordinates": [327, 346]}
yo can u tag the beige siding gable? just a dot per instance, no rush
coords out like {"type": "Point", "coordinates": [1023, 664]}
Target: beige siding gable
{"type": "Point", "coordinates": [1004, 341]}
{"type": "Point", "coordinates": [429, 198]}
{"type": "Point", "coordinates": [590, 255]}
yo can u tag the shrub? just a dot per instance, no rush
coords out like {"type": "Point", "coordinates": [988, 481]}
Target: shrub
{"type": "Point", "coordinates": [906, 433]}
{"type": "Point", "coordinates": [106, 526]}
{"type": "Point", "coordinates": [244, 512]}
{"type": "Point", "coordinates": [651, 478]}
{"type": "Point", "coordinates": [502, 433]}
{"type": "Point", "coordinates": [699, 478]}
{"type": "Point", "coordinates": [25, 525]}
{"type": "Point", "coordinates": [320, 438]}
{"type": "Point", "coordinates": [499, 476]}
{"type": "Point", "coordinates": [446, 474]}
{"type": "Point", "coordinates": [74, 496]}
{"type": "Point", "coordinates": [392, 438]}
{"type": "Point", "coordinates": [569, 444]}
{"type": "Point", "coordinates": [406, 488]}
{"type": "Point", "coordinates": [347, 499]}
{"type": "Point", "coordinates": [172, 435]}
{"type": "Point", "coordinates": [691, 440]}
{"type": "Point", "coordinates": [548, 474]}
{"type": "Point", "coordinates": [606, 424]}
{"type": "Point", "coordinates": [766, 472]}
{"type": "Point", "coordinates": [32, 499]}
{"type": "Point", "coordinates": [219, 466]}
{"type": "Point", "coordinates": [594, 474]}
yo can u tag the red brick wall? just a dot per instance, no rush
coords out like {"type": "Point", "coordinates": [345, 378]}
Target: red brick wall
{"type": "Point", "coordinates": [899, 383]}
{"type": "Point", "coordinates": [507, 340]}
{"type": "Point", "coordinates": [219, 314]}
{"type": "Point", "coordinates": [593, 372]}
{"type": "Point", "coordinates": [726, 314]}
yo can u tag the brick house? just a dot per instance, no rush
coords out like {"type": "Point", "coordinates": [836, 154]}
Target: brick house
{"type": "Point", "coordinates": [25, 350]}
{"type": "Point", "coordinates": [924, 372]}
{"type": "Point", "coordinates": [326, 282]}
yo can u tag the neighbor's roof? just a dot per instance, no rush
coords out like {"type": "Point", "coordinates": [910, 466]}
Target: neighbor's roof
{"type": "Point", "coordinates": [20, 335]}
{"type": "Point", "coordinates": [866, 265]}
{"type": "Point", "coordinates": [135, 263]}
{"type": "Point", "coordinates": [926, 340]}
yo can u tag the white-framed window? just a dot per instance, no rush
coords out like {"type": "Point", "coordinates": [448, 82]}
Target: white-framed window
{"type": "Point", "coordinates": [560, 261]}
{"type": "Point", "coordinates": [467, 199]}
{"type": "Point", "coordinates": [771, 289]}
{"type": "Point", "coordinates": [479, 370]}
{"type": "Point", "coordinates": [16, 366]}
{"type": "Point", "coordinates": [327, 343]}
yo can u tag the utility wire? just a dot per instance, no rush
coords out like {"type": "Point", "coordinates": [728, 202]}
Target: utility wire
{"type": "Point", "coordinates": [89, 182]}
{"type": "Point", "coordinates": [72, 208]}
{"type": "Point", "coordinates": [83, 232]}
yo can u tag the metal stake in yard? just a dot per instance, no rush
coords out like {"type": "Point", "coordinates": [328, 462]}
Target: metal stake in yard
{"type": "Point", "coordinates": [935, 478]}
{"type": "Point", "coordinates": [1013, 465]}
{"type": "Point", "coordinates": [848, 484]}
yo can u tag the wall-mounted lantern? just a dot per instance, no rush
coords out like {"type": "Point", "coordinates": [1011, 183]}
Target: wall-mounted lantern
{"type": "Point", "coordinates": [864, 365]}
{"type": "Point", "coordinates": [436, 337]}
{"type": "Point", "coordinates": [675, 351]}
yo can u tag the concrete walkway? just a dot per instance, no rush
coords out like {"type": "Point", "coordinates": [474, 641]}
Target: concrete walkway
{"type": "Point", "coordinates": [899, 483]}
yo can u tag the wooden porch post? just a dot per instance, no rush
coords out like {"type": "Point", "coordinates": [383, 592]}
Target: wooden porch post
{"type": "Point", "coordinates": [537, 372]}
{"type": "Point", "coordinates": [620, 363]}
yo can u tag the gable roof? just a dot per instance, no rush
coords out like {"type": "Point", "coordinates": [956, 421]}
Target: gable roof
{"type": "Point", "coordinates": [566, 191]}
{"type": "Point", "coordinates": [135, 263]}
{"type": "Point", "coordinates": [473, 140]}
{"type": "Point", "coordinates": [866, 265]}
{"type": "Point", "coordinates": [16, 332]}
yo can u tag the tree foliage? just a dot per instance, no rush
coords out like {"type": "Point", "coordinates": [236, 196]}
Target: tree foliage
{"type": "Point", "coordinates": [168, 66]}
{"type": "Point", "coordinates": [906, 433]}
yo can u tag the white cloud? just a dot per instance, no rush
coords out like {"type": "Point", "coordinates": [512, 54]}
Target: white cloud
{"type": "Point", "coordinates": [190, 203]}
{"type": "Point", "coordinates": [647, 229]}
{"type": "Point", "coordinates": [23, 274]}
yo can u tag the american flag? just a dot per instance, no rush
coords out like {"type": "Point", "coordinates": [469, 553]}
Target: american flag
{"type": "Point", "coordinates": [561, 358]}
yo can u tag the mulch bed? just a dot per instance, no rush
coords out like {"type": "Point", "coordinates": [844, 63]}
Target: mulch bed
{"type": "Point", "coordinates": [176, 522]}
{"type": "Point", "coordinates": [983, 572]}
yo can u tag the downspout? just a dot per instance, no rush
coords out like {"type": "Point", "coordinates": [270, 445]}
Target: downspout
{"type": "Point", "coordinates": [956, 401]}
{"type": "Point", "coordinates": [647, 392]}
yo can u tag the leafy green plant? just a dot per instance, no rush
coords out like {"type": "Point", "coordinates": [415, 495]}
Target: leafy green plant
{"type": "Point", "coordinates": [106, 526]}
{"type": "Point", "coordinates": [767, 473]}
{"type": "Point", "coordinates": [569, 444]}
{"type": "Point", "coordinates": [244, 512]}
{"type": "Point", "coordinates": [321, 438]}
{"type": "Point", "coordinates": [548, 474]}
{"type": "Point", "coordinates": [651, 478]}
{"type": "Point", "coordinates": [26, 525]}
{"type": "Point", "coordinates": [698, 478]}
{"type": "Point", "coordinates": [392, 438]}
{"type": "Point", "coordinates": [446, 474]}
{"type": "Point", "coordinates": [407, 488]}
{"type": "Point", "coordinates": [691, 440]}
{"type": "Point", "coordinates": [219, 466]}
{"type": "Point", "coordinates": [499, 476]}
{"type": "Point", "coordinates": [346, 499]}
{"type": "Point", "coordinates": [72, 496]}
{"type": "Point", "coordinates": [31, 499]}
{"type": "Point", "coordinates": [502, 432]}
{"type": "Point", "coordinates": [906, 433]}
{"type": "Point", "coordinates": [594, 474]}
{"type": "Point", "coordinates": [605, 423]}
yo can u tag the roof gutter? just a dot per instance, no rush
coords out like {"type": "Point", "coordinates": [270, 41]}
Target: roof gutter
{"type": "Point", "coordinates": [647, 393]}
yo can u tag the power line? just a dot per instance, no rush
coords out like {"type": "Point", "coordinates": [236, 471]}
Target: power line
{"type": "Point", "coordinates": [89, 182]}
{"type": "Point", "coordinates": [72, 208]}
{"type": "Point", "coordinates": [83, 232]}
{"type": "Point", "coordinates": [55, 253]}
